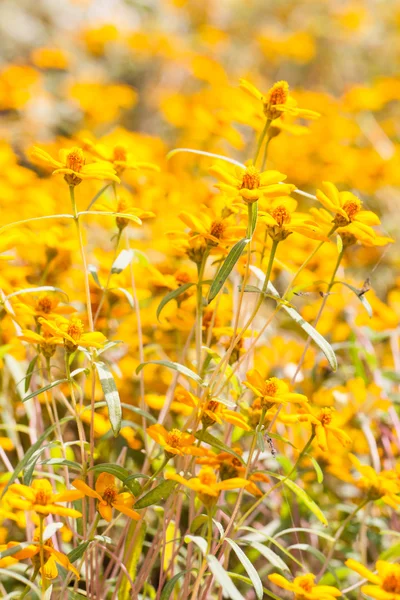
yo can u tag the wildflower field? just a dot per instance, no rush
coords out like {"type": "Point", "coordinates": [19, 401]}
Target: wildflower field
{"type": "Point", "coordinates": [199, 299]}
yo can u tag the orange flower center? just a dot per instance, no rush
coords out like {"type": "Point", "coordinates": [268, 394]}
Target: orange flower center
{"type": "Point", "coordinates": [251, 178]}
{"type": "Point", "coordinates": [182, 277]}
{"type": "Point", "coordinates": [123, 205]}
{"type": "Point", "coordinates": [207, 477]}
{"type": "Point", "coordinates": [326, 416]}
{"type": "Point", "coordinates": [44, 304]}
{"type": "Point", "coordinates": [110, 494]}
{"type": "Point", "coordinates": [217, 229]}
{"type": "Point", "coordinates": [75, 159]}
{"type": "Point", "coordinates": [174, 438]}
{"type": "Point", "coordinates": [279, 93]}
{"type": "Point", "coordinates": [270, 388]}
{"type": "Point", "coordinates": [391, 583]}
{"type": "Point", "coordinates": [120, 153]}
{"type": "Point", "coordinates": [42, 497]}
{"type": "Point", "coordinates": [352, 207]}
{"type": "Point", "coordinates": [212, 406]}
{"type": "Point", "coordinates": [281, 215]}
{"type": "Point", "coordinates": [75, 329]}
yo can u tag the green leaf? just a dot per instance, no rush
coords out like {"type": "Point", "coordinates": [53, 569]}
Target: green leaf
{"type": "Point", "coordinates": [276, 436]}
{"type": "Point", "coordinates": [175, 366]}
{"type": "Point", "coordinates": [63, 462]}
{"type": "Point", "coordinates": [260, 441]}
{"type": "Point", "coordinates": [31, 451]}
{"type": "Point", "coordinates": [318, 470]}
{"type": "Point", "coordinates": [169, 586]}
{"type": "Point", "coordinates": [139, 411]}
{"type": "Point", "coordinates": [253, 212]}
{"type": "Point", "coordinates": [207, 438]}
{"type": "Point", "coordinates": [361, 298]}
{"type": "Point", "coordinates": [44, 389]}
{"type": "Point", "coordinates": [122, 261]}
{"type": "Point", "coordinates": [249, 568]}
{"type": "Point", "coordinates": [29, 372]}
{"type": "Point", "coordinates": [93, 271]}
{"type": "Point", "coordinates": [391, 554]}
{"type": "Point", "coordinates": [77, 552]}
{"type": "Point", "coordinates": [37, 290]}
{"type": "Point", "coordinates": [161, 492]}
{"type": "Point", "coordinates": [226, 268]}
{"type": "Point", "coordinates": [171, 295]}
{"type": "Point", "coordinates": [270, 555]}
{"type": "Point", "coordinates": [302, 495]}
{"type": "Point", "coordinates": [111, 396]}
{"type": "Point", "coordinates": [198, 522]}
{"type": "Point", "coordinates": [13, 549]}
{"type": "Point", "coordinates": [198, 540]}
{"type": "Point", "coordinates": [229, 590]}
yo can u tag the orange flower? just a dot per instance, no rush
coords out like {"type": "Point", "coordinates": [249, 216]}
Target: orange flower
{"type": "Point", "coordinates": [304, 588]}
{"type": "Point", "coordinates": [206, 484]}
{"type": "Point", "coordinates": [72, 165]}
{"type": "Point", "coordinates": [277, 101]}
{"type": "Point", "coordinates": [71, 334]}
{"type": "Point", "coordinates": [109, 496]}
{"type": "Point", "coordinates": [174, 441]}
{"type": "Point", "coordinates": [321, 423]}
{"type": "Point", "coordinates": [385, 583]}
{"type": "Point", "coordinates": [272, 390]}
{"type": "Point", "coordinates": [40, 498]}
{"type": "Point", "coordinates": [118, 156]}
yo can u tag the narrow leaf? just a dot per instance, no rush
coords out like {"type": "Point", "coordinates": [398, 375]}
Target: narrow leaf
{"type": "Point", "coordinates": [161, 492]}
{"type": "Point", "coordinates": [270, 555]}
{"type": "Point", "coordinates": [361, 297]}
{"type": "Point", "coordinates": [207, 438]}
{"type": "Point", "coordinates": [169, 586]}
{"type": "Point", "coordinates": [229, 590]}
{"type": "Point", "coordinates": [77, 552]}
{"type": "Point", "coordinates": [303, 496]}
{"type": "Point", "coordinates": [44, 389]}
{"type": "Point", "coordinates": [93, 271]}
{"type": "Point", "coordinates": [123, 260]}
{"type": "Point", "coordinates": [172, 295]}
{"type": "Point", "coordinates": [29, 372]}
{"type": "Point", "coordinates": [226, 268]}
{"type": "Point", "coordinates": [249, 568]}
{"type": "Point", "coordinates": [175, 366]}
{"type": "Point", "coordinates": [111, 396]}
{"type": "Point", "coordinates": [318, 470]}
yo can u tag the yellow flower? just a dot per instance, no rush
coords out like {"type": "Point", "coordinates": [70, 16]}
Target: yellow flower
{"type": "Point", "coordinates": [40, 498]}
{"type": "Point", "coordinates": [304, 588]}
{"type": "Point", "coordinates": [272, 390]}
{"type": "Point", "coordinates": [123, 204]}
{"type": "Point", "coordinates": [46, 305]}
{"type": "Point", "coordinates": [348, 212]}
{"type": "Point", "coordinates": [118, 156]}
{"type": "Point", "coordinates": [72, 165]}
{"type": "Point", "coordinates": [249, 184]}
{"type": "Point", "coordinates": [46, 341]}
{"type": "Point", "coordinates": [282, 220]}
{"type": "Point", "coordinates": [109, 496]}
{"type": "Point", "coordinates": [321, 423]}
{"type": "Point", "coordinates": [213, 411]}
{"type": "Point", "coordinates": [174, 441]}
{"type": "Point", "coordinates": [277, 101]}
{"type": "Point", "coordinates": [72, 334]}
{"type": "Point", "coordinates": [386, 583]}
{"type": "Point", "coordinates": [206, 484]}
{"type": "Point", "coordinates": [383, 486]}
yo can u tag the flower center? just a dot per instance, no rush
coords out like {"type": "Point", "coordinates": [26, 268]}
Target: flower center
{"type": "Point", "coordinates": [110, 495]}
{"type": "Point", "coordinates": [251, 178]}
{"type": "Point", "coordinates": [207, 477]}
{"type": "Point", "coordinates": [75, 159]}
{"type": "Point", "coordinates": [326, 415]}
{"type": "Point", "coordinates": [75, 329]}
{"type": "Point", "coordinates": [281, 215]}
{"type": "Point", "coordinates": [42, 497]}
{"type": "Point", "coordinates": [123, 205]}
{"type": "Point", "coordinates": [174, 438]}
{"type": "Point", "coordinates": [270, 388]}
{"type": "Point", "coordinates": [279, 93]}
{"type": "Point", "coordinates": [120, 153]}
{"type": "Point", "coordinates": [44, 304]}
{"type": "Point", "coordinates": [217, 229]}
{"type": "Point", "coordinates": [352, 207]}
{"type": "Point", "coordinates": [391, 583]}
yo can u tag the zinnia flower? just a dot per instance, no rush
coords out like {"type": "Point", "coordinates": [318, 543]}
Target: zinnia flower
{"type": "Point", "coordinates": [304, 588]}
{"type": "Point", "coordinates": [282, 220]}
{"type": "Point", "coordinates": [40, 498]}
{"type": "Point", "coordinates": [72, 165]}
{"type": "Point", "coordinates": [174, 441]}
{"type": "Point", "coordinates": [321, 423]}
{"type": "Point", "coordinates": [272, 390]}
{"type": "Point", "coordinates": [108, 496]}
{"type": "Point", "coordinates": [72, 334]}
{"type": "Point", "coordinates": [386, 583]}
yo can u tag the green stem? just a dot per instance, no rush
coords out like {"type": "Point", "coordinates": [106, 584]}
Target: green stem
{"type": "Point", "coordinates": [209, 530]}
{"type": "Point", "coordinates": [264, 161]}
{"type": "Point", "coordinates": [97, 196]}
{"type": "Point", "coordinates": [261, 139]}
{"type": "Point", "coordinates": [281, 482]}
{"type": "Point", "coordinates": [149, 481]}
{"type": "Point", "coordinates": [199, 310]}
{"type": "Point", "coordinates": [105, 289]}
{"type": "Point", "coordinates": [41, 552]}
{"type": "Point", "coordinates": [83, 258]}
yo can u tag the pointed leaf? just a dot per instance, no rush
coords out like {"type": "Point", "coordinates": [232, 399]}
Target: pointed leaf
{"type": "Point", "coordinates": [161, 492]}
{"type": "Point", "coordinates": [361, 297]}
{"type": "Point", "coordinates": [77, 552]}
{"type": "Point", "coordinates": [122, 261]}
{"type": "Point", "coordinates": [44, 389]}
{"type": "Point", "coordinates": [111, 396]}
{"type": "Point", "coordinates": [29, 372]}
{"type": "Point", "coordinates": [207, 438]}
{"type": "Point", "coordinates": [171, 295]}
{"type": "Point", "coordinates": [169, 586]}
{"type": "Point", "coordinates": [270, 555]}
{"type": "Point", "coordinates": [229, 590]}
{"type": "Point", "coordinates": [175, 366]}
{"type": "Point", "coordinates": [249, 568]}
{"type": "Point", "coordinates": [226, 268]}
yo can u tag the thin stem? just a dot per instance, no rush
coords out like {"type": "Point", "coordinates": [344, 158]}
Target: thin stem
{"type": "Point", "coordinates": [41, 552]}
{"type": "Point", "coordinates": [151, 479]}
{"type": "Point", "coordinates": [199, 310]}
{"type": "Point", "coordinates": [82, 251]}
{"type": "Point", "coordinates": [261, 139]}
{"type": "Point", "coordinates": [105, 288]}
